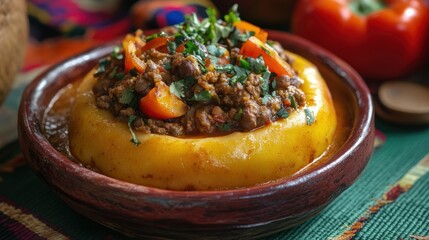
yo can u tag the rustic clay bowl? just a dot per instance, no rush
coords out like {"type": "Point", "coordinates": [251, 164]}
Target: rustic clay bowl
{"type": "Point", "coordinates": [246, 213]}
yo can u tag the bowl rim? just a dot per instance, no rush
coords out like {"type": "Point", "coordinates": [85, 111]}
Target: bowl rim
{"type": "Point", "coordinates": [28, 123]}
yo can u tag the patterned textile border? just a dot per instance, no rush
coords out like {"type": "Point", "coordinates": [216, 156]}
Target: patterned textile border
{"type": "Point", "coordinates": [20, 224]}
{"type": "Point", "coordinates": [400, 187]}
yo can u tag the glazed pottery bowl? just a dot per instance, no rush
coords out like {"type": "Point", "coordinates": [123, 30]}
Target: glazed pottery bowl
{"type": "Point", "coordinates": [247, 213]}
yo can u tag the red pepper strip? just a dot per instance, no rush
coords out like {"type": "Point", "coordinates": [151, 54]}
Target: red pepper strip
{"type": "Point", "coordinates": [132, 45]}
{"type": "Point", "coordinates": [245, 26]}
{"type": "Point", "coordinates": [383, 44]}
{"type": "Point", "coordinates": [159, 43]}
{"type": "Point", "coordinates": [254, 48]}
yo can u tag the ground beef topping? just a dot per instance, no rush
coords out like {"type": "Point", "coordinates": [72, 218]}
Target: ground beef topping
{"type": "Point", "coordinates": [200, 78]}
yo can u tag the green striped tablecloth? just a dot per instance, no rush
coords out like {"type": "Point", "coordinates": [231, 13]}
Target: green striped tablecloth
{"type": "Point", "coordinates": [378, 206]}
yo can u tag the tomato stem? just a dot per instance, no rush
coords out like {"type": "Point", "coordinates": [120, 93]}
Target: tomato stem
{"type": "Point", "coordinates": [365, 7]}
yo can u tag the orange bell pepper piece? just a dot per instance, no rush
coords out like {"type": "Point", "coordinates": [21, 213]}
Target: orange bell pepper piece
{"type": "Point", "coordinates": [159, 43]}
{"type": "Point", "coordinates": [132, 45]}
{"type": "Point", "coordinates": [254, 48]}
{"type": "Point", "coordinates": [159, 103]}
{"type": "Point", "coordinates": [245, 26]}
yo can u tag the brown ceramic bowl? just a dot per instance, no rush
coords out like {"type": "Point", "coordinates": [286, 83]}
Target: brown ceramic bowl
{"type": "Point", "coordinates": [246, 213]}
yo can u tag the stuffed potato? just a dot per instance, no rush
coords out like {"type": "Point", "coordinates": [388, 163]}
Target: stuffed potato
{"type": "Point", "coordinates": [186, 141]}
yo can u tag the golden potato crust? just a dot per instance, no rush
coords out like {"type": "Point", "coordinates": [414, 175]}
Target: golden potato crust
{"type": "Point", "coordinates": [240, 159]}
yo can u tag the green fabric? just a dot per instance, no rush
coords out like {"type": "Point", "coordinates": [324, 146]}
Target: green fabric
{"type": "Point", "coordinates": [408, 215]}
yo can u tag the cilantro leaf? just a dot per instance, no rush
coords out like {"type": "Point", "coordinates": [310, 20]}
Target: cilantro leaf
{"type": "Point", "coordinates": [179, 39]}
{"type": "Point", "coordinates": [293, 102]}
{"type": "Point", "coordinates": [282, 113]}
{"type": "Point", "coordinates": [103, 64]}
{"type": "Point", "coordinates": [133, 72]}
{"type": "Point", "coordinates": [190, 48]}
{"type": "Point", "coordinates": [167, 66]}
{"type": "Point", "coordinates": [171, 46]}
{"type": "Point", "coordinates": [203, 96]}
{"type": "Point", "coordinates": [189, 82]}
{"type": "Point", "coordinates": [274, 84]}
{"type": "Point", "coordinates": [216, 51]}
{"type": "Point", "coordinates": [240, 75]}
{"type": "Point", "coordinates": [116, 54]}
{"type": "Point", "coordinates": [225, 68]}
{"type": "Point", "coordinates": [233, 15]}
{"type": "Point", "coordinates": [237, 36]}
{"type": "Point", "coordinates": [201, 63]}
{"type": "Point", "coordinates": [309, 116]}
{"type": "Point", "coordinates": [225, 127]}
{"type": "Point", "coordinates": [266, 99]}
{"type": "Point", "coordinates": [245, 64]}
{"type": "Point", "coordinates": [265, 83]}
{"type": "Point", "coordinates": [134, 138]}
{"type": "Point", "coordinates": [178, 88]}
{"type": "Point", "coordinates": [151, 37]}
{"type": "Point", "coordinates": [238, 114]}
{"type": "Point", "coordinates": [127, 96]}
{"type": "Point", "coordinates": [257, 65]}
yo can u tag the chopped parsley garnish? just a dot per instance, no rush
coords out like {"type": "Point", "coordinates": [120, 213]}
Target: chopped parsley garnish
{"type": "Point", "coordinates": [237, 36]}
{"type": "Point", "coordinates": [240, 75]}
{"type": "Point", "coordinates": [257, 65]}
{"type": "Point", "coordinates": [189, 82]}
{"type": "Point", "coordinates": [266, 99]}
{"type": "Point", "coordinates": [245, 64]}
{"type": "Point", "coordinates": [238, 114]}
{"type": "Point", "coordinates": [155, 35]}
{"type": "Point", "coordinates": [224, 68]}
{"type": "Point", "coordinates": [116, 54]}
{"type": "Point", "coordinates": [225, 127]}
{"type": "Point", "coordinates": [274, 84]}
{"type": "Point", "coordinates": [133, 72]}
{"type": "Point", "coordinates": [134, 138]}
{"type": "Point", "coordinates": [127, 96]}
{"type": "Point", "coordinates": [203, 96]}
{"type": "Point", "coordinates": [190, 48]}
{"type": "Point", "coordinates": [282, 113]}
{"type": "Point", "coordinates": [151, 37]}
{"type": "Point", "coordinates": [265, 83]}
{"type": "Point", "coordinates": [178, 88]}
{"type": "Point", "coordinates": [309, 116]}
{"type": "Point", "coordinates": [171, 46]}
{"type": "Point", "coordinates": [179, 39]}
{"type": "Point", "coordinates": [216, 51]}
{"type": "Point", "coordinates": [103, 64]}
{"type": "Point", "coordinates": [233, 15]}
{"type": "Point", "coordinates": [167, 66]}
{"type": "Point", "coordinates": [293, 102]}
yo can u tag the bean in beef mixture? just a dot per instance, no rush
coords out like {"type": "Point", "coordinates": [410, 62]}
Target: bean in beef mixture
{"type": "Point", "coordinates": [198, 79]}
